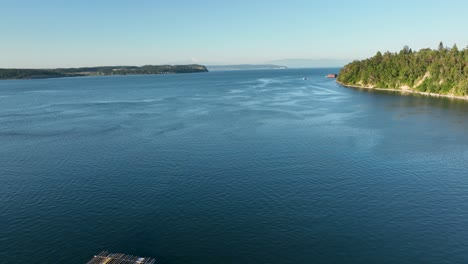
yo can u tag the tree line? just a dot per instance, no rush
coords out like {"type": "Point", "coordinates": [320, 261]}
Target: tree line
{"type": "Point", "coordinates": [443, 70]}
{"type": "Point", "coordinates": [96, 71]}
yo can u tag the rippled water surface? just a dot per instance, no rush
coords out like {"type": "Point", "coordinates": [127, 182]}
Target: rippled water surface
{"type": "Point", "coordinates": [230, 167]}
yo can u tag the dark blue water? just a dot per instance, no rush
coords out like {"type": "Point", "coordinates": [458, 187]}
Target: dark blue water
{"type": "Point", "coordinates": [230, 167]}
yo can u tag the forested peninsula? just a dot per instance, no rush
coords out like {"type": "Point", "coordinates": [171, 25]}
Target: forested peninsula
{"type": "Point", "coordinates": [440, 72]}
{"type": "Point", "coordinates": [99, 71]}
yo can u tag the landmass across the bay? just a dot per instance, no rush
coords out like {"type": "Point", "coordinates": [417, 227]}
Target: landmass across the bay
{"type": "Point", "coordinates": [245, 67]}
{"type": "Point", "coordinates": [441, 73]}
{"type": "Point", "coordinates": [99, 71]}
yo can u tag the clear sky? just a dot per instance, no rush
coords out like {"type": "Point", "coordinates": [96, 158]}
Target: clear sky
{"type": "Point", "coordinates": [47, 33]}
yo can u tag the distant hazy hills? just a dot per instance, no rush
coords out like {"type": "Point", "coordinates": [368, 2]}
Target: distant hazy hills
{"type": "Point", "coordinates": [245, 67]}
{"type": "Point", "coordinates": [282, 64]}
{"type": "Point", "coordinates": [311, 63]}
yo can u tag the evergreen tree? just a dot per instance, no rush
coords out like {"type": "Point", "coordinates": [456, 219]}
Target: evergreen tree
{"type": "Point", "coordinates": [441, 46]}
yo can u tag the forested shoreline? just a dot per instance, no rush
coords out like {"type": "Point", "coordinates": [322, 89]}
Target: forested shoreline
{"type": "Point", "coordinates": [441, 71]}
{"type": "Point", "coordinates": [99, 71]}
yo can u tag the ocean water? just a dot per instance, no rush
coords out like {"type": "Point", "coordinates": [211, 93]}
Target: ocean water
{"type": "Point", "coordinates": [230, 167]}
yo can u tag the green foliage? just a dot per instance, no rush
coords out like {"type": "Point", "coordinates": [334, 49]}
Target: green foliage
{"type": "Point", "coordinates": [443, 71]}
{"type": "Point", "coordinates": [94, 71]}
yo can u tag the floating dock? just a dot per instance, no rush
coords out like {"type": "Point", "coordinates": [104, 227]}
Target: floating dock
{"type": "Point", "coordinates": [118, 258]}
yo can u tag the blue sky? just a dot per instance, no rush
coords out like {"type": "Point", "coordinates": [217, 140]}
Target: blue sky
{"type": "Point", "coordinates": [84, 33]}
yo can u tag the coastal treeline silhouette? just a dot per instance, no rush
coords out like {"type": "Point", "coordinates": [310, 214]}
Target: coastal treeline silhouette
{"type": "Point", "coordinates": [97, 71]}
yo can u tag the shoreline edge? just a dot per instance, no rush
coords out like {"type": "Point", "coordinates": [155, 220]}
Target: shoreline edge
{"type": "Point", "coordinates": [405, 91]}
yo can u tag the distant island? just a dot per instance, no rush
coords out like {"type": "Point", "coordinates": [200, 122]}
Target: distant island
{"type": "Point", "coordinates": [441, 72]}
{"type": "Point", "coordinates": [245, 67]}
{"type": "Point", "coordinates": [99, 71]}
